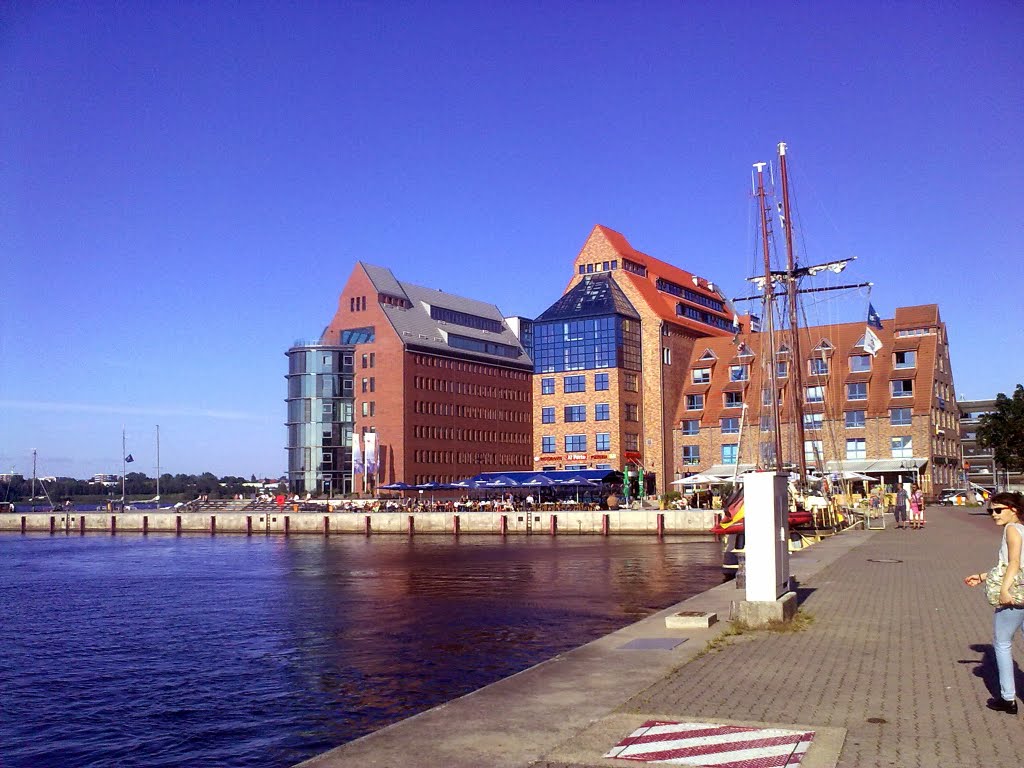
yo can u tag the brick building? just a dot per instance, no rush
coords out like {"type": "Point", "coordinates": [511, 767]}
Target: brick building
{"type": "Point", "coordinates": [440, 379]}
{"type": "Point", "coordinates": [610, 357]}
{"type": "Point", "coordinates": [892, 416]}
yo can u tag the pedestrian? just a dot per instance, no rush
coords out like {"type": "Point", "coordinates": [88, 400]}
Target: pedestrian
{"type": "Point", "coordinates": [900, 509]}
{"type": "Point", "coordinates": [916, 508]}
{"type": "Point", "coordinates": [1007, 510]}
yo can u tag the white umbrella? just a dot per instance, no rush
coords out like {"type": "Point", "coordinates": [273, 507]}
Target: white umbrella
{"type": "Point", "coordinates": [700, 479]}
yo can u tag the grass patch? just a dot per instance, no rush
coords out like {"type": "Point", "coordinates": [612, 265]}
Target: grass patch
{"type": "Point", "coordinates": [801, 621]}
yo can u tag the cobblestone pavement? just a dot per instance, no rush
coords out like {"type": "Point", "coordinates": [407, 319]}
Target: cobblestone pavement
{"type": "Point", "coordinates": [898, 652]}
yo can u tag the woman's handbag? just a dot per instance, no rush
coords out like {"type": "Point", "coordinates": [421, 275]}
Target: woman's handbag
{"type": "Point", "coordinates": [994, 585]}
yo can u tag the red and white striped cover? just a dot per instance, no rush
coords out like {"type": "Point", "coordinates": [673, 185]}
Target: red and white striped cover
{"type": "Point", "coordinates": [709, 744]}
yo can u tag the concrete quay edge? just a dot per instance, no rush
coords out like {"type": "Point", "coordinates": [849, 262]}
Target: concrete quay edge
{"type": "Point", "coordinates": [565, 709]}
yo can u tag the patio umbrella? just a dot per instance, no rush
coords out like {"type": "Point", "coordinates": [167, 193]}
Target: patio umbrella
{"type": "Point", "coordinates": [397, 487]}
{"type": "Point", "coordinates": [700, 479]}
{"type": "Point", "coordinates": [502, 482]}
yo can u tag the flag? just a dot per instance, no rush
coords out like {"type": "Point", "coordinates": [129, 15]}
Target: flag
{"type": "Point", "coordinates": [735, 328]}
{"type": "Point", "coordinates": [357, 454]}
{"type": "Point", "coordinates": [371, 452]}
{"type": "Point", "coordinates": [128, 459]}
{"type": "Point", "coordinates": [871, 342]}
{"type": "Point", "coordinates": [873, 319]}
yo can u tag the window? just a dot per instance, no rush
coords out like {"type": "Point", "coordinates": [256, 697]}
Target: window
{"type": "Point", "coordinates": [815, 394]}
{"type": "Point", "coordinates": [572, 384]}
{"type": "Point", "coordinates": [373, 359]}
{"type": "Point", "coordinates": [694, 402]}
{"type": "Point", "coordinates": [547, 444]}
{"type": "Point", "coordinates": [854, 419]}
{"type": "Point", "coordinates": [575, 443]}
{"type": "Point", "coordinates": [905, 359]}
{"type": "Point", "coordinates": [631, 441]}
{"type": "Point", "coordinates": [708, 355]}
{"type": "Point", "coordinates": [700, 375]}
{"type": "Point", "coordinates": [547, 386]}
{"type": "Point", "coordinates": [547, 415]}
{"type": "Point", "coordinates": [630, 382]}
{"type": "Point", "coordinates": [739, 372]}
{"type": "Point", "coordinates": [818, 366]}
{"type": "Point", "coordinates": [600, 382]}
{"type": "Point", "coordinates": [729, 453]}
{"type": "Point", "coordinates": [691, 455]}
{"type": "Point", "coordinates": [666, 356]}
{"type": "Point", "coordinates": [766, 422]}
{"type": "Point", "coordinates": [631, 412]}
{"type": "Point", "coordinates": [603, 441]}
{"type": "Point", "coordinates": [730, 426]}
{"type": "Point", "coordinates": [902, 447]}
{"type": "Point", "coordinates": [365, 360]}
{"type": "Point", "coordinates": [602, 412]}
{"type": "Point", "coordinates": [812, 450]}
{"type": "Point", "coordinates": [733, 399]}
{"type": "Point", "coordinates": [781, 369]}
{"type": "Point", "coordinates": [903, 388]}
{"type": "Point", "coordinates": [857, 390]}
{"type": "Point", "coordinates": [860, 363]}
{"type": "Point", "coordinates": [373, 383]}
{"type": "Point", "coordinates": [900, 417]}
{"type": "Point", "coordinates": [856, 448]}
{"type": "Point", "coordinates": [812, 420]}
{"type": "Point", "coordinates": [766, 450]}
{"type": "Point", "coordinates": [575, 413]}
{"type": "Point", "coordinates": [690, 426]}
{"type": "Point", "coordinates": [366, 383]}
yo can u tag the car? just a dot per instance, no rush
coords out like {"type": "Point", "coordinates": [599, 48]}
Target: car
{"type": "Point", "coordinates": [953, 497]}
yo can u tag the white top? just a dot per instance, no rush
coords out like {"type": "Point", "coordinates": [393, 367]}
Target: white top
{"type": "Point", "coordinates": [1004, 552]}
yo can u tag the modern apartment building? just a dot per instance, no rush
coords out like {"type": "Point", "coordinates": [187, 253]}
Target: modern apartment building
{"type": "Point", "coordinates": [892, 415]}
{"type": "Point", "coordinates": [980, 463]}
{"type": "Point", "coordinates": [610, 359]}
{"type": "Point", "coordinates": [440, 381]}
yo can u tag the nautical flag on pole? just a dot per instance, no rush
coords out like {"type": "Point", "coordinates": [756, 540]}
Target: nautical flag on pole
{"type": "Point", "coordinates": [873, 319]}
{"type": "Point", "coordinates": [357, 454]}
{"type": "Point", "coordinates": [371, 453]}
{"type": "Point", "coordinates": [871, 342]}
{"type": "Point", "coordinates": [128, 459]}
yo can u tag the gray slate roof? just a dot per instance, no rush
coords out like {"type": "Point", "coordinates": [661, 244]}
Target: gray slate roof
{"type": "Point", "coordinates": [418, 329]}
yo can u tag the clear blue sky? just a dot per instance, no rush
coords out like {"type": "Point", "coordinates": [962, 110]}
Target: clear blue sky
{"type": "Point", "coordinates": [186, 186]}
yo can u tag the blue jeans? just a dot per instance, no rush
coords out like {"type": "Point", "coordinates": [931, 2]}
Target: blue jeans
{"type": "Point", "coordinates": [1005, 624]}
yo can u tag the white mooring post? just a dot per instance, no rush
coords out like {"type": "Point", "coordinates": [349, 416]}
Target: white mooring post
{"type": "Point", "coordinates": [766, 527]}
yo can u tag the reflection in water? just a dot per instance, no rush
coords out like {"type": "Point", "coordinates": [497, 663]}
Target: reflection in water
{"type": "Point", "coordinates": [233, 651]}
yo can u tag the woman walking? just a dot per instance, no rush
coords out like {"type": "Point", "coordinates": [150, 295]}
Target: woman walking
{"type": "Point", "coordinates": [916, 507]}
{"type": "Point", "coordinates": [900, 508]}
{"type": "Point", "coordinates": [1007, 510]}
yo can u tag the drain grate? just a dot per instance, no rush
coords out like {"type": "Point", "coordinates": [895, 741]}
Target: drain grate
{"type": "Point", "coordinates": [883, 560]}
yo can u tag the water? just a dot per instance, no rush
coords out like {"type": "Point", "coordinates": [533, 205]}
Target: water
{"type": "Point", "coordinates": [237, 651]}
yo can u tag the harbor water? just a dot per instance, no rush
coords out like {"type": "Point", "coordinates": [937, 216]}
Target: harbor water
{"type": "Point", "coordinates": [239, 651]}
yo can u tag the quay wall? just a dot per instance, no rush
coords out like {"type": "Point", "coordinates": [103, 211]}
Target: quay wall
{"type": "Point", "coordinates": [623, 521]}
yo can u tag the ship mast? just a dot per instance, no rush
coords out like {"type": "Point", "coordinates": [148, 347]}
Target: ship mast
{"type": "Point", "coordinates": [796, 356]}
{"type": "Point", "coordinates": [769, 290]}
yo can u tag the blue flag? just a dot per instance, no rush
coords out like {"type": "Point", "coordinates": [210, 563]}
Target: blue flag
{"type": "Point", "coordinates": [128, 459]}
{"type": "Point", "coordinates": [873, 318]}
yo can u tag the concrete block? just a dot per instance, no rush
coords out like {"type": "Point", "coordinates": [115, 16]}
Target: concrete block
{"type": "Point", "coordinates": [691, 620]}
{"type": "Point", "coordinates": [757, 613]}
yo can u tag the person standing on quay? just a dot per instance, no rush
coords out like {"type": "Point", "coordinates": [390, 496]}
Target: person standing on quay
{"type": "Point", "coordinates": [916, 507]}
{"type": "Point", "coordinates": [899, 510]}
{"type": "Point", "coordinates": [1007, 510]}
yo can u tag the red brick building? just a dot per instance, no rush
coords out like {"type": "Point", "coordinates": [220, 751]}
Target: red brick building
{"type": "Point", "coordinates": [893, 415]}
{"type": "Point", "coordinates": [441, 379]}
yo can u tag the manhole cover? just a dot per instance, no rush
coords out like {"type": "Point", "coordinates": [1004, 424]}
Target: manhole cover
{"type": "Point", "coordinates": [883, 560]}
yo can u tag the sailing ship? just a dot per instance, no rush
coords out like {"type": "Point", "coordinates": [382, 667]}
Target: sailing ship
{"type": "Point", "coordinates": [811, 502]}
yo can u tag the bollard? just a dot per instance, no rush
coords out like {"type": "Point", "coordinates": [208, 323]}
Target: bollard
{"type": "Point", "coordinates": [661, 524]}
{"type": "Point", "coordinates": [367, 525]}
{"type": "Point", "coordinates": [327, 525]}
{"type": "Point", "coordinates": [605, 524]}
{"type": "Point", "coordinates": [213, 525]}
{"type": "Point", "coordinates": [287, 524]}
{"type": "Point", "coordinates": [177, 525]}
{"type": "Point", "coordinates": [81, 524]}
{"type": "Point", "coordinates": [53, 524]}
{"type": "Point", "coordinates": [145, 525]}
{"type": "Point", "coordinates": [248, 525]}
{"type": "Point", "coordinates": [22, 523]}
{"type": "Point", "coordinates": [412, 525]}
{"type": "Point", "coordinates": [113, 525]}
{"type": "Point", "coordinates": [554, 525]}
{"type": "Point", "coordinates": [504, 525]}
{"type": "Point", "coordinates": [456, 524]}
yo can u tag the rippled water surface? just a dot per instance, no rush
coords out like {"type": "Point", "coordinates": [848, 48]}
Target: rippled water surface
{"type": "Point", "coordinates": [236, 651]}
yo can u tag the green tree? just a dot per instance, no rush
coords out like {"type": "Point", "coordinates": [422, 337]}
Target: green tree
{"type": "Point", "coordinates": [1003, 430]}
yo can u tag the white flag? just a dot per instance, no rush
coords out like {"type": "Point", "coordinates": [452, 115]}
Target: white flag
{"type": "Point", "coordinates": [871, 342]}
{"type": "Point", "coordinates": [371, 452]}
{"type": "Point", "coordinates": [357, 454]}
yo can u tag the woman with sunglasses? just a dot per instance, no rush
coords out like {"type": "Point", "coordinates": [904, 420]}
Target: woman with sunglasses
{"type": "Point", "coordinates": [1007, 510]}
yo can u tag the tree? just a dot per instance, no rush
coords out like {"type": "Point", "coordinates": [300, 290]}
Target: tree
{"type": "Point", "coordinates": [1003, 430]}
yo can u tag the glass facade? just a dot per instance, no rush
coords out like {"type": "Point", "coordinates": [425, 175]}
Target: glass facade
{"type": "Point", "coordinates": [320, 419]}
{"type": "Point", "coordinates": [586, 344]}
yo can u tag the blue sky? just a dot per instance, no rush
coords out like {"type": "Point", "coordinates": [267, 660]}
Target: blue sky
{"type": "Point", "coordinates": [186, 186]}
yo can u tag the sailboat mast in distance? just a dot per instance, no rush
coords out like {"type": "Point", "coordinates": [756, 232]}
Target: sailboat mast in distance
{"type": "Point", "coordinates": [797, 357]}
{"type": "Point", "coordinates": [769, 290]}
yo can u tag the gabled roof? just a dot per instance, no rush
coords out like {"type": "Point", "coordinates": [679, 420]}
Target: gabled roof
{"type": "Point", "coordinates": [593, 296]}
{"type": "Point", "coordinates": [920, 316]}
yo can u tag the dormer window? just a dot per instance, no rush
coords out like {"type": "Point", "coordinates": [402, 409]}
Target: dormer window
{"type": "Point", "coordinates": [744, 351]}
{"type": "Point", "coordinates": [818, 366]}
{"type": "Point", "coordinates": [708, 356]}
{"type": "Point", "coordinates": [700, 376]}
